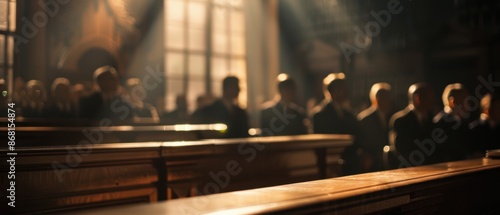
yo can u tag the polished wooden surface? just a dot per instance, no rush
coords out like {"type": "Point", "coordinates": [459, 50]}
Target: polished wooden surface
{"type": "Point", "coordinates": [462, 187]}
{"type": "Point", "coordinates": [264, 161]}
{"type": "Point", "coordinates": [101, 175]}
{"type": "Point", "coordinates": [32, 135]}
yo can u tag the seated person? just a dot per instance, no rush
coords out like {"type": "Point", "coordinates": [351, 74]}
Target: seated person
{"type": "Point", "coordinates": [3, 100]}
{"type": "Point", "coordinates": [412, 126]}
{"type": "Point", "coordinates": [282, 116]}
{"type": "Point", "coordinates": [454, 120]}
{"type": "Point", "coordinates": [107, 102]}
{"type": "Point", "coordinates": [36, 98]}
{"type": "Point", "coordinates": [333, 117]}
{"type": "Point", "coordinates": [135, 97]}
{"type": "Point", "coordinates": [226, 110]}
{"type": "Point", "coordinates": [374, 122]}
{"type": "Point", "coordinates": [485, 131]}
{"type": "Point", "coordinates": [180, 114]}
{"type": "Point", "coordinates": [62, 105]}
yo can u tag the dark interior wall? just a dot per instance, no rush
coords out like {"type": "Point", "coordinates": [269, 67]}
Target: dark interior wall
{"type": "Point", "coordinates": [440, 42]}
{"type": "Point", "coordinates": [82, 35]}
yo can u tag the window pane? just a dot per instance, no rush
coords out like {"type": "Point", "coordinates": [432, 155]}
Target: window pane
{"type": "Point", "coordinates": [220, 43]}
{"type": "Point", "coordinates": [3, 15]}
{"type": "Point", "coordinates": [217, 87]}
{"type": "Point", "coordinates": [175, 37]}
{"type": "Point", "coordinates": [219, 68]}
{"type": "Point", "coordinates": [197, 14]}
{"type": "Point", "coordinates": [2, 49]}
{"type": "Point", "coordinates": [197, 67]}
{"type": "Point", "coordinates": [174, 65]}
{"type": "Point", "coordinates": [195, 89]}
{"type": "Point", "coordinates": [220, 2]}
{"type": "Point", "coordinates": [196, 39]}
{"type": "Point", "coordinates": [175, 11]}
{"type": "Point", "coordinates": [10, 50]}
{"type": "Point", "coordinates": [174, 88]}
{"type": "Point", "coordinates": [12, 18]}
{"type": "Point", "coordinates": [235, 3]}
{"type": "Point", "coordinates": [238, 45]}
{"type": "Point", "coordinates": [229, 3]}
{"type": "Point", "coordinates": [220, 18]}
{"type": "Point", "coordinates": [238, 67]}
{"type": "Point", "coordinates": [237, 21]}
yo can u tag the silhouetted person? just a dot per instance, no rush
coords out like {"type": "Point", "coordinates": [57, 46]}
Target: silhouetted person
{"type": "Point", "coordinates": [180, 114]}
{"type": "Point", "coordinates": [3, 100]}
{"type": "Point", "coordinates": [454, 119]}
{"type": "Point", "coordinates": [36, 98]}
{"type": "Point", "coordinates": [282, 116]}
{"type": "Point", "coordinates": [412, 127]}
{"type": "Point", "coordinates": [107, 101]}
{"type": "Point", "coordinates": [203, 101]}
{"type": "Point", "coordinates": [19, 94]}
{"type": "Point", "coordinates": [140, 110]}
{"type": "Point", "coordinates": [374, 122]}
{"type": "Point", "coordinates": [62, 105]}
{"type": "Point", "coordinates": [486, 129]}
{"type": "Point", "coordinates": [332, 117]}
{"type": "Point", "coordinates": [226, 111]}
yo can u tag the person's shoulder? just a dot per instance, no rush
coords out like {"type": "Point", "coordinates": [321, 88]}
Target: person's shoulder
{"type": "Point", "coordinates": [478, 124]}
{"type": "Point", "coordinates": [320, 109]}
{"type": "Point", "coordinates": [91, 97]}
{"type": "Point", "coordinates": [268, 105]}
{"type": "Point", "coordinates": [297, 108]}
{"type": "Point", "coordinates": [366, 113]}
{"type": "Point", "coordinates": [439, 117]}
{"type": "Point", "coordinates": [400, 115]}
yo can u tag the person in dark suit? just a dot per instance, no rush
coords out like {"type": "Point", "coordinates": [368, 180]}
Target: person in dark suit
{"type": "Point", "coordinates": [332, 116]}
{"type": "Point", "coordinates": [36, 97]}
{"type": "Point", "coordinates": [141, 111]}
{"type": "Point", "coordinates": [374, 122]}
{"type": "Point", "coordinates": [180, 114]}
{"type": "Point", "coordinates": [454, 119]}
{"type": "Point", "coordinates": [282, 116]}
{"type": "Point", "coordinates": [226, 110]}
{"type": "Point", "coordinates": [61, 105]}
{"type": "Point", "coordinates": [485, 131]}
{"type": "Point", "coordinates": [3, 100]}
{"type": "Point", "coordinates": [107, 101]}
{"type": "Point", "coordinates": [411, 129]}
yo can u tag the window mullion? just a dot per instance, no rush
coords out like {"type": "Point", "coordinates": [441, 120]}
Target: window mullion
{"type": "Point", "coordinates": [208, 47]}
{"type": "Point", "coordinates": [186, 45]}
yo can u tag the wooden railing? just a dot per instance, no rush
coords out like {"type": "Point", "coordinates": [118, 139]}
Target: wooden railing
{"type": "Point", "coordinates": [67, 178]}
{"type": "Point", "coordinates": [462, 187]}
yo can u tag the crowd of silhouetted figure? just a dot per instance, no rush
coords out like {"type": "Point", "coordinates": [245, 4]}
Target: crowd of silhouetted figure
{"type": "Point", "coordinates": [417, 135]}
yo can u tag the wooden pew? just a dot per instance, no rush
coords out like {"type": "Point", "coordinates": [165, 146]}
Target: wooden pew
{"type": "Point", "coordinates": [99, 175]}
{"type": "Point", "coordinates": [53, 179]}
{"type": "Point", "coordinates": [462, 187]}
{"type": "Point", "coordinates": [213, 166]}
{"type": "Point", "coordinates": [75, 133]}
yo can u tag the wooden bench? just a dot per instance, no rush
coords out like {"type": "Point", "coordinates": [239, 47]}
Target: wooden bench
{"type": "Point", "coordinates": [462, 187]}
{"type": "Point", "coordinates": [74, 133]}
{"type": "Point", "coordinates": [54, 179]}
